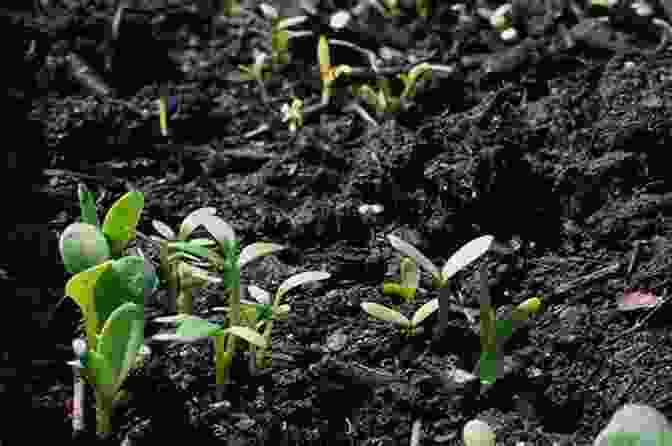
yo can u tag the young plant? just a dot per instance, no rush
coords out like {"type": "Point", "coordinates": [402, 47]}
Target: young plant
{"type": "Point", "coordinates": [87, 243]}
{"type": "Point", "coordinates": [464, 256]}
{"type": "Point", "coordinates": [496, 332]}
{"type": "Point", "coordinates": [106, 366]}
{"type": "Point", "coordinates": [406, 288]}
{"type": "Point", "coordinates": [408, 326]}
{"type": "Point", "coordinates": [268, 308]}
{"type": "Point", "coordinates": [181, 278]}
{"type": "Point", "coordinates": [328, 73]}
{"type": "Point", "coordinates": [259, 71]}
{"type": "Point", "coordinates": [193, 328]}
{"type": "Point", "coordinates": [111, 296]}
{"type": "Point", "coordinates": [292, 113]}
{"type": "Point", "coordinates": [227, 259]}
{"type": "Point", "coordinates": [383, 101]}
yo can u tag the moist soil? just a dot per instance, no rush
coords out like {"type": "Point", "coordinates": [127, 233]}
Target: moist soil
{"type": "Point", "coordinates": [555, 145]}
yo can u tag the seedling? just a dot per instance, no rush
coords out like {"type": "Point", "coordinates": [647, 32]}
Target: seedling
{"type": "Point", "coordinates": [408, 284]}
{"type": "Point", "coordinates": [383, 101]}
{"type": "Point", "coordinates": [328, 73]}
{"type": "Point", "coordinates": [86, 244]}
{"type": "Point", "coordinates": [111, 296]}
{"type": "Point", "coordinates": [495, 333]}
{"type": "Point", "coordinates": [464, 256]}
{"type": "Point", "coordinates": [408, 327]}
{"type": "Point", "coordinates": [227, 259]}
{"type": "Point", "coordinates": [267, 309]}
{"type": "Point", "coordinates": [193, 328]}
{"type": "Point", "coordinates": [180, 277]}
{"type": "Point", "coordinates": [258, 72]}
{"type": "Point", "coordinates": [107, 365]}
{"type": "Point", "coordinates": [292, 113]}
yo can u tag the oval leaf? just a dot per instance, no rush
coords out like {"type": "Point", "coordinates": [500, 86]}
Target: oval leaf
{"type": "Point", "coordinates": [386, 314]}
{"type": "Point", "coordinates": [123, 282]}
{"type": "Point", "coordinates": [120, 341]}
{"type": "Point", "coordinates": [424, 312]}
{"type": "Point", "coordinates": [122, 220]}
{"type": "Point", "coordinates": [300, 279]}
{"type": "Point", "coordinates": [257, 250]}
{"type": "Point", "coordinates": [80, 288]}
{"type": "Point", "coordinates": [248, 335]}
{"type": "Point", "coordinates": [466, 255]}
{"type": "Point", "coordinates": [194, 328]}
{"type": "Point", "coordinates": [82, 246]}
{"type": "Point", "coordinates": [87, 204]}
{"type": "Point", "coordinates": [219, 229]}
{"type": "Point", "coordinates": [412, 252]}
{"type": "Point", "coordinates": [193, 221]}
{"type": "Point", "coordinates": [163, 229]}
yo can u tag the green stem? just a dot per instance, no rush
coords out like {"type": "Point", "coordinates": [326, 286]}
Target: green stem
{"type": "Point", "coordinates": [185, 302]}
{"type": "Point", "coordinates": [234, 320]}
{"type": "Point", "coordinates": [103, 416]}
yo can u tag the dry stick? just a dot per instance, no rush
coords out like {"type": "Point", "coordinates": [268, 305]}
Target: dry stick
{"type": "Point", "coordinates": [416, 433]}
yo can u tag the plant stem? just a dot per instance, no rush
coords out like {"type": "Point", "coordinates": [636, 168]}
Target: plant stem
{"type": "Point", "coordinates": [103, 416]}
{"type": "Point", "coordinates": [234, 320]}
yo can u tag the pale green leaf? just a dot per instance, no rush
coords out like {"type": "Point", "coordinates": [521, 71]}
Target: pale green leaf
{"type": "Point", "coordinates": [412, 252]}
{"type": "Point", "coordinates": [424, 312]}
{"type": "Point", "coordinates": [248, 335]}
{"type": "Point", "coordinates": [122, 219]}
{"type": "Point", "coordinates": [299, 279]}
{"type": "Point", "coordinates": [193, 221]}
{"type": "Point", "coordinates": [386, 314]}
{"type": "Point", "coordinates": [467, 254]}
{"type": "Point", "coordinates": [257, 250]}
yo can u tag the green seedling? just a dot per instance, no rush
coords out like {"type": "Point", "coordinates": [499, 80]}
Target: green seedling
{"type": "Point", "coordinates": [495, 333]}
{"type": "Point", "coordinates": [406, 288]}
{"type": "Point", "coordinates": [464, 256]}
{"type": "Point", "coordinates": [408, 326]}
{"type": "Point", "coordinates": [258, 72]}
{"type": "Point", "coordinates": [227, 259]}
{"type": "Point", "coordinates": [269, 308]}
{"type": "Point", "coordinates": [106, 366]}
{"type": "Point", "coordinates": [181, 278]}
{"type": "Point", "coordinates": [292, 113]}
{"type": "Point", "coordinates": [193, 328]}
{"type": "Point", "coordinates": [85, 244]}
{"type": "Point", "coordinates": [101, 289]}
{"type": "Point", "coordinates": [328, 73]}
{"type": "Point", "coordinates": [101, 292]}
{"type": "Point", "coordinates": [383, 101]}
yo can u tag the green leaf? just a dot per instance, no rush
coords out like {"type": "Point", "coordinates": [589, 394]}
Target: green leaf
{"type": "Point", "coordinates": [83, 245]}
{"type": "Point", "coordinates": [123, 282]}
{"type": "Point", "coordinates": [120, 341]}
{"type": "Point", "coordinates": [424, 312]}
{"type": "Point", "coordinates": [193, 221]}
{"type": "Point", "coordinates": [466, 255]}
{"type": "Point", "coordinates": [248, 335]}
{"type": "Point", "coordinates": [299, 279]}
{"type": "Point", "coordinates": [194, 328]}
{"type": "Point", "coordinates": [87, 204]}
{"type": "Point", "coordinates": [257, 250]}
{"type": "Point", "coordinates": [219, 229]}
{"type": "Point", "coordinates": [639, 439]}
{"type": "Point", "coordinates": [191, 248]}
{"type": "Point", "coordinates": [412, 252]}
{"type": "Point", "coordinates": [81, 289]}
{"type": "Point", "coordinates": [386, 314]}
{"type": "Point", "coordinates": [122, 220]}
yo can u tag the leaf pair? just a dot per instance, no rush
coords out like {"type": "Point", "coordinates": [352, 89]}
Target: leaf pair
{"type": "Point", "coordinates": [100, 290]}
{"type": "Point", "coordinates": [83, 245]}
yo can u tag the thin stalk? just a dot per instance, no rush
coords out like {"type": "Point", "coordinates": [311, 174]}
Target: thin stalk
{"type": "Point", "coordinates": [103, 416]}
{"type": "Point", "coordinates": [78, 399]}
{"type": "Point", "coordinates": [234, 320]}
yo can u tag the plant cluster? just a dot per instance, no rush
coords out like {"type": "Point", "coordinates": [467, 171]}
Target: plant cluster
{"type": "Point", "coordinates": [111, 289]}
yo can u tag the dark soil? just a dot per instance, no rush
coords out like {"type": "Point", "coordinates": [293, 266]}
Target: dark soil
{"type": "Point", "coordinates": [556, 146]}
